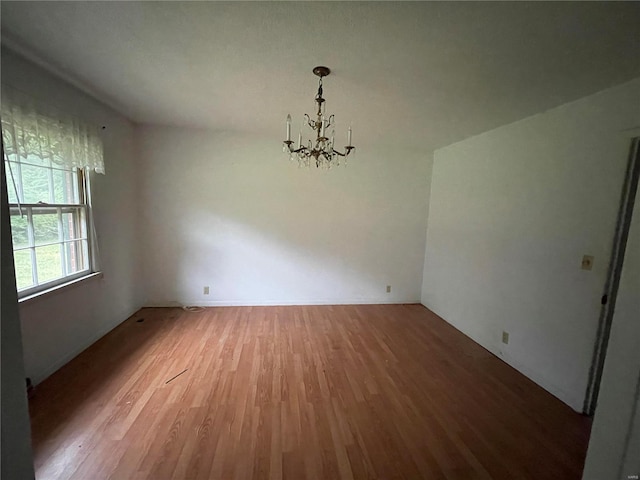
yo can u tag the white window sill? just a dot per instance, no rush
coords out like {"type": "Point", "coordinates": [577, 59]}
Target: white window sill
{"type": "Point", "coordinates": [60, 288]}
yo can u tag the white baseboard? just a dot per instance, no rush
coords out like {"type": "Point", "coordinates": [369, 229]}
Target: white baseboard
{"type": "Point", "coordinates": [274, 303]}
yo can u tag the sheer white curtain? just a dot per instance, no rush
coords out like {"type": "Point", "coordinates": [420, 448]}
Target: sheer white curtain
{"type": "Point", "coordinates": [32, 128]}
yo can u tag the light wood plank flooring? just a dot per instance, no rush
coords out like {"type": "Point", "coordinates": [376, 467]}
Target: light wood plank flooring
{"type": "Point", "coordinates": [319, 392]}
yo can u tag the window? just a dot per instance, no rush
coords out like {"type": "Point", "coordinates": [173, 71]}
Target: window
{"type": "Point", "coordinates": [48, 208]}
{"type": "Point", "coordinates": [48, 156]}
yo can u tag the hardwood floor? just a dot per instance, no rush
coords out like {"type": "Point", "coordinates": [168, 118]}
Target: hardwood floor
{"type": "Point", "coordinates": [319, 392]}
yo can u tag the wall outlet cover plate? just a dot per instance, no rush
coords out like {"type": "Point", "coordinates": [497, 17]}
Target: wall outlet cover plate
{"type": "Point", "coordinates": [587, 262]}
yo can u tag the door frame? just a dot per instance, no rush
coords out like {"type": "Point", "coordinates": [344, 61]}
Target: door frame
{"type": "Point", "coordinates": [608, 299]}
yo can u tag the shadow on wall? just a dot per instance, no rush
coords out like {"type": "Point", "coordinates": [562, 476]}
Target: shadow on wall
{"type": "Point", "coordinates": [257, 229]}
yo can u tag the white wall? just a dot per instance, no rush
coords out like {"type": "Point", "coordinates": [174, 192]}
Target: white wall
{"type": "Point", "coordinates": [58, 326]}
{"type": "Point", "coordinates": [231, 212]}
{"type": "Point", "coordinates": [614, 448]}
{"type": "Point", "coordinates": [512, 211]}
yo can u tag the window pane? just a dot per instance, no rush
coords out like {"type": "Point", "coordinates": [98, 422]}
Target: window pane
{"type": "Point", "coordinates": [73, 223]}
{"type": "Point", "coordinates": [35, 184]}
{"type": "Point", "coordinates": [22, 262]}
{"type": "Point", "coordinates": [83, 223]}
{"type": "Point", "coordinates": [69, 225]}
{"type": "Point", "coordinates": [63, 186]}
{"type": "Point", "coordinates": [12, 168]}
{"type": "Point", "coordinates": [76, 253]}
{"type": "Point", "coordinates": [12, 157]}
{"type": "Point", "coordinates": [49, 263]}
{"type": "Point", "coordinates": [45, 226]}
{"type": "Point", "coordinates": [19, 229]}
{"type": "Point", "coordinates": [34, 160]}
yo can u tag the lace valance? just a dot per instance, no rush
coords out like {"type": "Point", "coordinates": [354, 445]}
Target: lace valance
{"type": "Point", "coordinates": [31, 128]}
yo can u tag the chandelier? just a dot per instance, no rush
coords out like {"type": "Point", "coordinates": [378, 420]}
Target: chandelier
{"type": "Point", "coordinates": [321, 149]}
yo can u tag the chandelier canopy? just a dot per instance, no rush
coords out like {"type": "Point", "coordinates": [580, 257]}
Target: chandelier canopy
{"type": "Point", "coordinates": [321, 149]}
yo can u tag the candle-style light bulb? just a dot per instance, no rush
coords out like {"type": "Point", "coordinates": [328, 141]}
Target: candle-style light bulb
{"type": "Point", "coordinates": [300, 139]}
{"type": "Point", "coordinates": [349, 136]}
{"type": "Point", "coordinates": [288, 127]}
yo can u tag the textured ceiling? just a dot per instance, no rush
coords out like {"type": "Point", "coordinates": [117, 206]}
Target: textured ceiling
{"type": "Point", "coordinates": [422, 75]}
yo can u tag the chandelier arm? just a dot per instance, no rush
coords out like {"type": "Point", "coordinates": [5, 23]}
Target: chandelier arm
{"type": "Point", "coordinates": [299, 150]}
{"type": "Point", "coordinates": [311, 123]}
{"type": "Point", "coordinates": [347, 151]}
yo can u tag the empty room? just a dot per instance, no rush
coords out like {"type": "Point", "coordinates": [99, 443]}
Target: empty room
{"type": "Point", "coordinates": [320, 240]}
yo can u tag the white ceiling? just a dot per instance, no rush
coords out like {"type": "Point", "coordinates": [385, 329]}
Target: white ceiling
{"type": "Point", "coordinates": [422, 75]}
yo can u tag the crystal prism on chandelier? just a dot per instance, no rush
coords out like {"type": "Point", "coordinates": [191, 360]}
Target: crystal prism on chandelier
{"type": "Point", "coordinates": [321, 150]}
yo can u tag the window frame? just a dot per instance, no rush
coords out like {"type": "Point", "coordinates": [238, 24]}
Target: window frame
{"type": "Point", "coordinates": [84, 241]}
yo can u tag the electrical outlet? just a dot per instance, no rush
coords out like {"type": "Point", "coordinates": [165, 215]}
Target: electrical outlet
{"type": "Point", "coordinates": [206, 290]}
{"type": "Point", "coordinates": [505, 337]}
{"type": "Point", "coordinates": [388, 288]}
{"type": "Point", "coordinates": [587, 262]}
